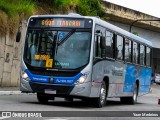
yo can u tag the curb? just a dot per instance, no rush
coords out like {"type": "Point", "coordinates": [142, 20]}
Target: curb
{"type": "Point", "coordinates": [10, 92]}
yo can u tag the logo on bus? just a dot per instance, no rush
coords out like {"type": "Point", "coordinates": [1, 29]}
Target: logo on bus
{"type": "Point", "coordinates": [51, 80]}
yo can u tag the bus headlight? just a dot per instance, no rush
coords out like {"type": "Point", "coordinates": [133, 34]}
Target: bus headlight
{"type": "Point", "coordinates": [82, 79]}
{"type": "Point", "coordinates": [24, 75]}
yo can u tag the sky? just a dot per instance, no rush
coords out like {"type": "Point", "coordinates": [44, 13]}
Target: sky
{"type": "Point", "coordinates": [151, 7]}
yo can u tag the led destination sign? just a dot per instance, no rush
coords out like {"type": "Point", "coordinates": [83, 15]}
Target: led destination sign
{"type": "Point", "coordinates": [60, 22]}
{"type": "Point", "coordinates": [63, 23]}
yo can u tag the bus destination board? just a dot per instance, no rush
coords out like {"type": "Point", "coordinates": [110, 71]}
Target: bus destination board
{"type": "Point", "coordinates": [60, 22]}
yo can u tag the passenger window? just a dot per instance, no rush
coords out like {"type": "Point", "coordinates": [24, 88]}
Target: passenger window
{"type": "Point", "coordinates": [98, 51]}
{"type": "Point", "coordinates": [128, 54]}
{"type": "Point", "coordinates": [148, 56]}
{"type": "Point", "coordinates": [119, 48]}
{"type": "Point", "coordinates": [97, 46]}
{"type": "Point", "coordinates": [142, 55]}
{"type": "Point", "coordinates": [135, 52]}
{"type": "Point", "coordinates": [109, 44]}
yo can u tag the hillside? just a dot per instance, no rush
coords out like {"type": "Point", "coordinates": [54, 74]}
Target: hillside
{"type": "Point", "coordinates": [14, 11]}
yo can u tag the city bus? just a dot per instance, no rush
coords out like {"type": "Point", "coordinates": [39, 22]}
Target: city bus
{"type": "Point", "coordinates": [73, 56]}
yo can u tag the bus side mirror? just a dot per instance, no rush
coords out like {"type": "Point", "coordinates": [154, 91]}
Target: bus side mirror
{"type": "Point", "coordinates": [18, 36]}
{"type": "Point", "coordinates": [102, 42]}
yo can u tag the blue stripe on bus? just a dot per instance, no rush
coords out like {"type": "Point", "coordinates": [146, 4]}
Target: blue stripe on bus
{"type": "Point", "coordinates": [57, 80]}
{"type": "Point", "coordinates": [134, 73]}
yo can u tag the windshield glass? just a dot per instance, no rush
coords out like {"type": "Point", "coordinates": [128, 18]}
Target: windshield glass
{"type": "Point", "coordinates": [57, 49]}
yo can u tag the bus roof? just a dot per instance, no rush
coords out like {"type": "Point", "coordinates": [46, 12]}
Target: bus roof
{"type": "Point", "coordinates": [111, 27]}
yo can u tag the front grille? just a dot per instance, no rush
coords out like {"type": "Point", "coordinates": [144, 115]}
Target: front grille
{"type": "Point", "coordinates": [54, 73]}
{"type": "Point", "coordinates": [37, 87]}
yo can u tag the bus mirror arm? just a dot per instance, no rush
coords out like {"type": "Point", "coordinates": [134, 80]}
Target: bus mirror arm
{"type": "Point", "coordinates": [18, 36]}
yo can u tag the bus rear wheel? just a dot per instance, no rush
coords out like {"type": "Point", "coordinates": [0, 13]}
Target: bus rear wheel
{"type": "Point", "coordinates": [42, 98]}
{"type": "Point", "coordinates": [101, 100]}
{"type": "Point", "coordinates": [131, 100]}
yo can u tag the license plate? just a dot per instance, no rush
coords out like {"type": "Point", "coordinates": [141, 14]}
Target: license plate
{"type": "Point", "coordinates": [50, 91]}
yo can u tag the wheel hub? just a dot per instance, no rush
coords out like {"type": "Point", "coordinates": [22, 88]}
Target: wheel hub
{"type": "Point", "coordinates": [103, 95]}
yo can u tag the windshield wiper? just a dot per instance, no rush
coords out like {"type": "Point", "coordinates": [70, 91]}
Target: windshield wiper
{"type": "Point", "coordinates": [65, 38]}
{"type": "Point", "coordinates": [58, 43]}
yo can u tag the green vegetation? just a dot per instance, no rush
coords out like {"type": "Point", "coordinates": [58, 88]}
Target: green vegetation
{"type": "Point", "coordinates": [14, 7]}
{"type": "Point", "coordinates": [83, 7]}
{"type": "Point", "coordinates": [135, 32]}
{"type": "Point", "coordinates": [13, 11]}
{"type": "Point", "coordinates": [91, 7]}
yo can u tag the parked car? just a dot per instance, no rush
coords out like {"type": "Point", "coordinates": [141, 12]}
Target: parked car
{"type": "Point", "coordinates": [156, 78]}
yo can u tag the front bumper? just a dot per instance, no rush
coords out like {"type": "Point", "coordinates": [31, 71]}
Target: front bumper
{"type": "Point", "coordinates": [60, 89]}
{"type": "Point", "coordinates": [81, 90]}
{"type": "Point", "coordinates": [157, 80]}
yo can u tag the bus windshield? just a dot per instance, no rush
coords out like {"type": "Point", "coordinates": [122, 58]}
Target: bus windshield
{"type": "Point", "coordinates": [55, 49]}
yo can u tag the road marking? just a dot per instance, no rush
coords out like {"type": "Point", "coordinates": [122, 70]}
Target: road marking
{"type": "Point", "coordinates": [57, 119]}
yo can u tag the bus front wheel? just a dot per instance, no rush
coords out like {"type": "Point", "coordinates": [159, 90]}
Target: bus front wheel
{"type": "Point", "coordinates": [42, 98]}
{"type": "Point", "coordinates": [131, 100]}
{"type": "Point", "coordinates": [101, 100]}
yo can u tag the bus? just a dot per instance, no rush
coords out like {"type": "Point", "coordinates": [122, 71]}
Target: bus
{"type": "Point", "coordinates": [73, 56]}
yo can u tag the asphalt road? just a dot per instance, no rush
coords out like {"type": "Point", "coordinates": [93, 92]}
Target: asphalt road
{"type": "Point", "coordinates": [29, 103]}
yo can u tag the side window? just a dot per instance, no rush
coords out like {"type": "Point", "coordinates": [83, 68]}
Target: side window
{"type": "Point", "coordinates": [128, 50]}
{"type": "Point", "coordinates": [135, 52]}
{"type": "Point", "coordinates": [97, 46]}
{"type": "Point", "coordinates": [99, 31]}
{"type": "Point", "coordinates": [142, 55]}
{"type": "Point", "coordinates": [148, 56]}
{"type": "Point", "coordinates": [119, 48]}
{"type": "Point", "coordinates": [109, 44]}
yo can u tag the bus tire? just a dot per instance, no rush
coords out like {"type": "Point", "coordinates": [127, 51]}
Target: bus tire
{"type": "Point", "coordinates": [131, 100]}
{"type": "Point", "coordinates": [42, 98]}
{"type": "Point", "coordinates": [101, 100]}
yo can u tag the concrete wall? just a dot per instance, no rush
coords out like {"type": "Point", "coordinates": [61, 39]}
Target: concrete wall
{"type": "Point", "coordinates": [10, 55]}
